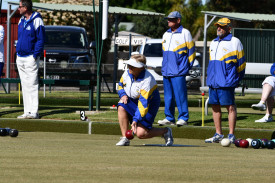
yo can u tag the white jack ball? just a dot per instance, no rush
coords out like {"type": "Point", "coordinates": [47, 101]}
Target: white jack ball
{"type": "Point", "coordinates": [225, 142]}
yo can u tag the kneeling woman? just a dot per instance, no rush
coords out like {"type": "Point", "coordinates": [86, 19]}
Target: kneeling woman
{"type": "Point", "coordinates": [139, 103]}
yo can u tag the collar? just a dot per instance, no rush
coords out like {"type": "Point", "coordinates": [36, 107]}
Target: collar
{"type": "Point", "coordinates": [226, 38]}
{"type": "Point", "coordinates": [140, 76]}
{"type": "Point", "coordinates": [179, 30]}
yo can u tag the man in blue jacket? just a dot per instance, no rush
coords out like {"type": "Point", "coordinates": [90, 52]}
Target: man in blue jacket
{"type": "Point", "coordinates": [178, 57]}
{"type": "Point", "coordinates": [267, 99]}
{"type": "Point", "coordinates": [31, 35]}
{"type": "Point", "coordinates": [225, 70]}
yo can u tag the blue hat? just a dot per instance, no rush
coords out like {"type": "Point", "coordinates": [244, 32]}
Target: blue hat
{"type": "Point", "coordinates": [174, 14]}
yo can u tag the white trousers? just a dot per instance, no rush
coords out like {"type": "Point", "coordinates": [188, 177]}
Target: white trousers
{"type": "Point", "coordinates": [28, 73]}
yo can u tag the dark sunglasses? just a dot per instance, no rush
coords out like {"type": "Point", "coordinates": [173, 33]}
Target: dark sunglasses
{"type": "Point", "coordinates": [21, 6]}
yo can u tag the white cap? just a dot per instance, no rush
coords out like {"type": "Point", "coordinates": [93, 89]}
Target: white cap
{"type": "Point", "coordinates": [135, 63]}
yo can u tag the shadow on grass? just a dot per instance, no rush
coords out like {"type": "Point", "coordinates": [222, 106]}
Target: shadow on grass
{"type": "Point", "coordinates": [163, 145]}
{"type": "Point", "coordinates": [198, 122]}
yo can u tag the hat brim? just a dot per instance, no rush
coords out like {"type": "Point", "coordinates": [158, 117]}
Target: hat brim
{"type": "Point", "coordinates": [171, 17]}
{"type": "Point", "coordinates": [221, 24]}
{"type": "Point", "coordinates": [135, 63]}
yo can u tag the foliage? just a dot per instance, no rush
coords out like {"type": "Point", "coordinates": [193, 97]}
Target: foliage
{"type": "Point", "coordinates": [242, 6]}
{"type": "Point", "coordinates": [150, 26]}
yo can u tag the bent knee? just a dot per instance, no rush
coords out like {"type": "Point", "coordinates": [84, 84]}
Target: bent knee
{"type": "Point", "coordinates": [141, 134]}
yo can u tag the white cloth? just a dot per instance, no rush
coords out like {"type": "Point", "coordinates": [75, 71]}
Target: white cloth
{"type": "Point", "coordinates": [2, 35]}
{"type": "Point", "coordinates": [28, 72]}
{"type": "Point", "coordinates": [271, 81]}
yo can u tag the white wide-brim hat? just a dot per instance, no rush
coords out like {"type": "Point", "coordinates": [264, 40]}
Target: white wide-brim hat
{"type": "Point", "coordinates": [135, 63]}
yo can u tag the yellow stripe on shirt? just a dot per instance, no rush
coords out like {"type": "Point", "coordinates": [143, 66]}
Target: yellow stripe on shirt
{"type": "Point", "coordinates": [232, 60]}
{"type": "Point", "coordinates": [192, 57]}
{"type": "Point", "coordinates": [233, 53]}
{"type": "Point", "coordinates": [190, 45]}
{"type": "Point", "coordinates": [241, 67]}
{"type": "Point", "coordinates": [146, 94]}
{"type": "Point", "coordinates": [179, 47]}
{"type": "Point", "coordinates": [240, 54]}
{"type": "Point", "coordinates": [143, 111]}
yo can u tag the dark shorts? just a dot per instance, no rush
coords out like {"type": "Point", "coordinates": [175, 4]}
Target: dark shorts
{"type": "Point", "coordinates": [148, 119]}
{"type": "Point", "coordinates": [222, 96]}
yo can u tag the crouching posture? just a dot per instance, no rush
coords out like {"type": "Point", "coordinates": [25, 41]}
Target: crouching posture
{"type": "Point", "coordinates": [139, 103]}
{"type": "Point", "coordinates": [267, 99]}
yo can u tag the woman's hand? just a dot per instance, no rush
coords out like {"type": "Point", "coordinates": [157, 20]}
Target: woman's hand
{"type": "Point", "coordinates": [123, 99]}
{"type": "Point", "coordinates": [134, 127]}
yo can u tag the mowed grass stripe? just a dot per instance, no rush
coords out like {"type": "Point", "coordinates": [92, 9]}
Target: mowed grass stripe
{"type": "Point", "coordinates": [110, 128]}
{"type": "Point", "coordinates": [67, 157]}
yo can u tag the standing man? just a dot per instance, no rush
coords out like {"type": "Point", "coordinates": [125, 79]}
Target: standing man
{"type": "Point", "coordinates": [225, 70]}
{"type": "Point", "coordinates": [178, 57]}
{"type": "Point", "coordinates": [2, 60]}
{"type": "Point", "coordinates": [31, 35]}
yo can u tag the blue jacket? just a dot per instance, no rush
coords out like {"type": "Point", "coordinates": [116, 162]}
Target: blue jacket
{"type": "Point", "coordinates": [227, 62]}
{"type": "Point", "coordinates": [31, 36]}
{"type": "Point", "coordinates": [143, 90]}
{"type": "Point", "coordinates": [178, 52]}
{"type": "Point", "coordinates": [272, 70]}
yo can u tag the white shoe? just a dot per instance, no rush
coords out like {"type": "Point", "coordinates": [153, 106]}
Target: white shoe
{"type": "Point", "coordinates": [181, 122]}
{"type": "Point", "coordinates": [259, 106]}
{"type": "Point", "coordinates": [33, 116]}
{"type": "Point", "coordinates": [168, 137]}
{"type": "Point", "coordinates": [165, 122]}
{"type": "Point", "coordinates": [266, 118]}
{"type": "Point", "coordinates": [123, 142]}
{"type": "Point", "coordinates": [23, 116]}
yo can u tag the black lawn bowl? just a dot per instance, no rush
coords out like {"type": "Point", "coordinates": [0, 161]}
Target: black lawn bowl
{"type": "Point", "coordinates": [3, 132]}
{"type": "Point", "coordinates": [256, 143]}
{"type": "Point", "coordinates": [270, 144]}
{"type": "Point", "coordinates": [13, 133]}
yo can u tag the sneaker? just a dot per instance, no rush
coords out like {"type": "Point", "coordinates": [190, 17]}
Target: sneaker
{"type": "Point", "coordinates": [33, 116]}
{"type": "Point", "coordinates": [231, 137]}
{"type": "Point", "coordinates": [181, 122]}
{"type": "Point", "coordinates": [266, 118]}
{"type": "Point", "coordinates": [123, 142]}
{"type": "Point", "coordinates": [165, 122]}
{"type": "Point", "coordinates": [23, 116]}
{"type": "Point", "coordinates": [259, 106]}
{"type": "Point", "coordinates": [168, 137]}
{"type": "Point", "coordinates": [216, 138]}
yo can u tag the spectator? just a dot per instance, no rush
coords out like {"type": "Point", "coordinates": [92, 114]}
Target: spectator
{"type": "Point", "coordinates": [31, 35]}
{"type": "Point", "coordinates": [178, 57]}
{"type": "Point", "coordinates": [267, 97]}
{"type": "Point", "coordinates": [139, 103]}
{"type": "Point", "coordinates": [225, 70]}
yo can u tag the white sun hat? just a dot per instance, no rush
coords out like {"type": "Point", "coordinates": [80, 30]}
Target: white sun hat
{"type": "Point", "coordinates": [135, 63]}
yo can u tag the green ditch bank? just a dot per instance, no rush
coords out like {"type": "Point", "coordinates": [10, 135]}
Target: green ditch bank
{"type": "Point", "coordinates": [109, 128]}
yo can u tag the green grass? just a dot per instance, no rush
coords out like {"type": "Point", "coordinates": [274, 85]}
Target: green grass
{"type": "Point", "coordinates": [66, 157]}
{"type": "Point", "coordinates": [63, 106]}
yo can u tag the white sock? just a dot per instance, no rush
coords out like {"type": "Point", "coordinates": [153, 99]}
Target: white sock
{"type": "Point", "coordinates": [262, 102]}
{"type": "Point", "coordinates": [268, 115]}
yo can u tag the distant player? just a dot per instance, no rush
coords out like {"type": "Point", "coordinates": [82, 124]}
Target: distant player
{"type": "Point", "coordinates": [31, 35]}
{"type": "Point", "coordinates": [225, 70]}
